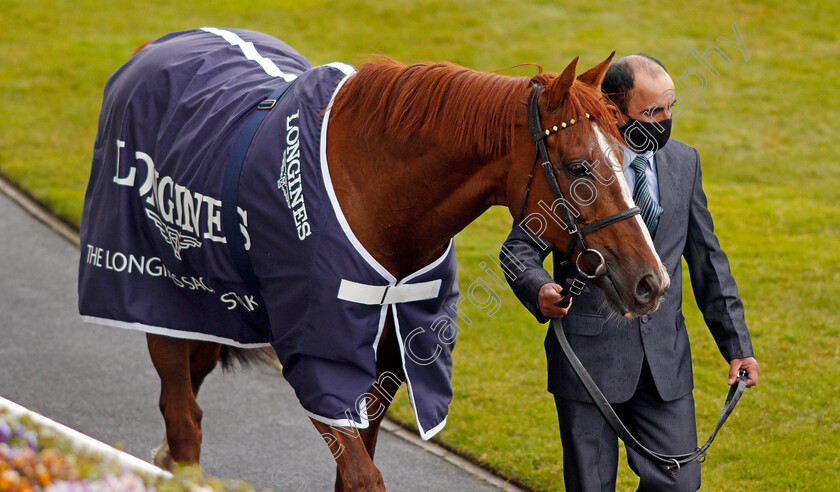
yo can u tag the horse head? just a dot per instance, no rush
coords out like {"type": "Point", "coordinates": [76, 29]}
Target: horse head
{"type": "Point", "coordinates": [575, 196]}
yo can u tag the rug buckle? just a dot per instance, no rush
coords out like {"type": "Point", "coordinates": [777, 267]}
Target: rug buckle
{"type": "Point", "coordinates": [267, 104]}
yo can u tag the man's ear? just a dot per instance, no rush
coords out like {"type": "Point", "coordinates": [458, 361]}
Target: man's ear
{"type": "Point", "coordinates": [615, 113]}
{"type": "Point", "coordinates": [595, 75]}
{"type": "Point", "coordinates": [559, 87]}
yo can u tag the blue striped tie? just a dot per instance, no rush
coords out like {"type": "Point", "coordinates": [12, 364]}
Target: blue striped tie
{"type": "Point", "coordinates": [650, 210]}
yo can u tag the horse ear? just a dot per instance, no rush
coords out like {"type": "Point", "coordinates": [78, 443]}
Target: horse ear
{"type": "Point", "coordinates": [595, 75]}
{"type": "Point", "coordinates": [559, 87]}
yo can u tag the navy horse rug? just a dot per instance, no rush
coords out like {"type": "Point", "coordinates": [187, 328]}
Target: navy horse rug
{"type": "Point", "coordinates": [210, 215]}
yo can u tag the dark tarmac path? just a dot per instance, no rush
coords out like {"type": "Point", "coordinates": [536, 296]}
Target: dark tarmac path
{"type": "Point", "coordinates": [100, 381]}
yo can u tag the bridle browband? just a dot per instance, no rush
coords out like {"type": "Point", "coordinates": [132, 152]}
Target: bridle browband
{"type": "Point", "coordinates": [577, 233]}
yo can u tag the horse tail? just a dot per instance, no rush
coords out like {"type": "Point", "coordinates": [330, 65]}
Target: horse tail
{"type": "Point", "coordinates": [231, 357]}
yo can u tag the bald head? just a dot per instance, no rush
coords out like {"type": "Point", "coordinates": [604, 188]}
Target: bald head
{"type": "Point", "coordinates": [620, 79]}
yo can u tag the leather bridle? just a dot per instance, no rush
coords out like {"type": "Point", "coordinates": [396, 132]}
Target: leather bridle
{"type": "Point", "coordinates": [673, 462]}
{"type": "Point", "coordinates": [576, 232]}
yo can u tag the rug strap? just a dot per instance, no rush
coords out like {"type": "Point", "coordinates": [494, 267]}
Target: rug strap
{"type": "Point", "coordinates": [230, 192]}
{"type": "Point", "coordinates": [387, 294]}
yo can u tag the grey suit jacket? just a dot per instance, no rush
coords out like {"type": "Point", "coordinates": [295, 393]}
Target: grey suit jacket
{"type": "Point", "coordinates": [612, 349]}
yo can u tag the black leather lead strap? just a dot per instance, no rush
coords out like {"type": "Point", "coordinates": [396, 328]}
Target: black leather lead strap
{"type": "Point", "coordinates": [673, 462]}
{"type": "Point", "coordinates": [230, 192]}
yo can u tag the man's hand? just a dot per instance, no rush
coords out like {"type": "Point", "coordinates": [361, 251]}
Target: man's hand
{"type": "Point", "coordinates": [548, 298]}
{"type": "Point", "coordinates": [747, 363]}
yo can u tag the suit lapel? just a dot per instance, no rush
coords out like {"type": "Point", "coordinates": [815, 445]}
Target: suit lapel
{"type": "Point", "coordinates": [669, 183]}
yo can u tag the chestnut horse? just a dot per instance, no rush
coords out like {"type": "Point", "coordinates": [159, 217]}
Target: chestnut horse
{"type": "Point", "coordinates": [426, 149]}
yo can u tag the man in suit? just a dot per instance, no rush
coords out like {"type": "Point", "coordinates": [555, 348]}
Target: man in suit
{"type": "Point", "coordinates": [643, 366]}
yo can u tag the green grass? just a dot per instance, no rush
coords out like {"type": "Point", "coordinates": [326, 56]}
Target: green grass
{"type": "Point", "coordinates": [766, 136]}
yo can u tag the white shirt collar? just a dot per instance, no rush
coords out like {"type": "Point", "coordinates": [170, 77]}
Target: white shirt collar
{"type": "Point", "coordinates": [629, 156]}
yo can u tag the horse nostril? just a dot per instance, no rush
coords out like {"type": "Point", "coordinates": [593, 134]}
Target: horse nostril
{"type": "Point", "coordinates": [646, 289]}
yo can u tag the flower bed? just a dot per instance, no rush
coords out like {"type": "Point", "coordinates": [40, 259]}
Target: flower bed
{"type": "Point", "coordinates": [38, 456]}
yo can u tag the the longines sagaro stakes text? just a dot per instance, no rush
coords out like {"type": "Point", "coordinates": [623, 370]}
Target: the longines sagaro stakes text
{"type": "Point", "coordinates": [482, 292]}
{"type": "Point", "coordinates": [153, 266]}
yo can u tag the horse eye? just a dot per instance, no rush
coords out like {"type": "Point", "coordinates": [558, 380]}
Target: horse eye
{"type": "Point", "coordinates": [576, 170]}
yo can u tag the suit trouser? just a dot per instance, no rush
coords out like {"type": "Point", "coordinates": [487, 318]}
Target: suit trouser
{"type": "Point", "coordinates": [590, 446]}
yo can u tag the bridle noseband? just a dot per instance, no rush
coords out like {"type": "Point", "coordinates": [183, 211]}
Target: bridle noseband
{"type": "Point", "coordinates": [576, 232]}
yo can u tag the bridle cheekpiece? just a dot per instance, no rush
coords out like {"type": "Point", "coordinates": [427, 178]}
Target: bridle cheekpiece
{"type": "Point", "coordinates": [576, 232]}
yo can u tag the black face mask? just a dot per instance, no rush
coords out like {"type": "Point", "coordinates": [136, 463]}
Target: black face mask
{"type": "Point", "coordinates": [645, 136]}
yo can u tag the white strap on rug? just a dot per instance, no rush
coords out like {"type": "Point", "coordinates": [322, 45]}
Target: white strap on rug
{"type": "Point", "coordinates": [387, 294]}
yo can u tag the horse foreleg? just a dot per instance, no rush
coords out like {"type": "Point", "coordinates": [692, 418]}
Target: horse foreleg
{"type": "Point", "coordinates": [356, 471]}
{"type": "Point", "coordinates": [172, 360]}
{"type": "Point", "coordinates": [353, 449]}
{"type": "Point", "coordinates": [390, 377]}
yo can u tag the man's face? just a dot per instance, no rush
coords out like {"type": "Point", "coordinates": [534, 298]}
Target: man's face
{"type": "Point", "coordinates": [650, 99]}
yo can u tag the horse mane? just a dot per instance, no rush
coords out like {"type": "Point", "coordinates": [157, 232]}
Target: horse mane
{"type": "Point", "coordinates": [453, 104]}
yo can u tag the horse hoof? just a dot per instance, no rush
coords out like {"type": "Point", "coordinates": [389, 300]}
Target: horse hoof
{"type": "Point", "coordinates": [161, 456]}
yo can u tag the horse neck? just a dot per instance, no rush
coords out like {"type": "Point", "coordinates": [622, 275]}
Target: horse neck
{"type": "Point", "coordinates": [405, 201]}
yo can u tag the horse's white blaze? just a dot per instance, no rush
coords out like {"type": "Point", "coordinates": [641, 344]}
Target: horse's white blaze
{"type": "Point", "coordinates": [627, 197]}
{"type": "Point", "coordinates": [250, 53]}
